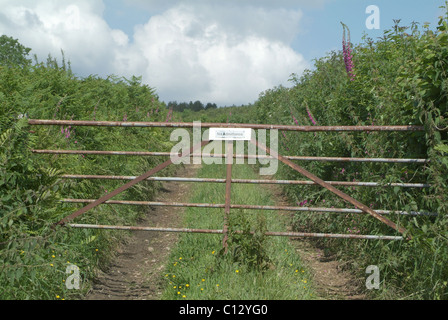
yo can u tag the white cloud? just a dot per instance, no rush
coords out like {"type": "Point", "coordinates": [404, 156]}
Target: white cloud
{"type": "Point", "coordinates": [221, 53]}
{"type": "Point", "coordinates": [218, 53]}
{"type": "Point", "coordinates": [77, 27]}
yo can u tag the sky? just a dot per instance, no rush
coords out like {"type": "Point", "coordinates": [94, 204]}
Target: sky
{"type": "Point", "coordinates": [221, 51]}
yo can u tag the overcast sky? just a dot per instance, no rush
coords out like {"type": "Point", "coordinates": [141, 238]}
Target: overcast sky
{"type": "Point", "coordinates": [226, 51]}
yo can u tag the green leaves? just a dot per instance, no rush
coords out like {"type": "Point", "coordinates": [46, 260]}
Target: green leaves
{"type": "Point", "coordinates": [12, 53]}
{"type": "Point", "coordinates": [401, 79]}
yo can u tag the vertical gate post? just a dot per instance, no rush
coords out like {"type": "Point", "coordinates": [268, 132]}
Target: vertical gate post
{"type": "Point", "coordinates": [229, 160]}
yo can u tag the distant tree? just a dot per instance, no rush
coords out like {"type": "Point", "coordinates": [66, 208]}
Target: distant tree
{"type": "Point", "coordinates": [183, 106]}
{"type": "Point", "coordinates": [12, 53]}
{"type": "Point", "coordinates": [211, 106]}
{"type": "Point", "coordinates": [175, 106]}
{"type": "Point", "coordinates": [197, 106]}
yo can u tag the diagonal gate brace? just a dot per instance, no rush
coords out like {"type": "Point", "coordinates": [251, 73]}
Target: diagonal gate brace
{"type": "Point", "coordinates": [338, 192]}
{"type": "Point", "coordinates": [127, 185]}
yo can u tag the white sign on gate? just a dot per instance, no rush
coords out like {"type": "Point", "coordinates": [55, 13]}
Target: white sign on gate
{"type": "Point", "coordinates": [230, 134]}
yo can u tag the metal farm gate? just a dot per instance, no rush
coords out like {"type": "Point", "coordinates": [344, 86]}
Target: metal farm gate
{"type": "Point", "coordinates": [313, 180]}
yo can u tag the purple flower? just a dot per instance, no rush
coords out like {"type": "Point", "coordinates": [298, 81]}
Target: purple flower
{"type": "Point", "coordinates": [294, 118]}
{"type": "Point", "coordinates": [169, 115]}
{"type": "Point", "coordinates": [310, 116]}
{"type": "Point", "coordinates": [347, 53]}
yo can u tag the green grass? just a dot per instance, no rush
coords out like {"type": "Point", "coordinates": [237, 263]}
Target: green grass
{"type": "Point", "coordinates": [255, 267]}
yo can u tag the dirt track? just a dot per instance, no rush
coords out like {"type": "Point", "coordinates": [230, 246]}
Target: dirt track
{"type": "Point", "coordinates": [137, 270]}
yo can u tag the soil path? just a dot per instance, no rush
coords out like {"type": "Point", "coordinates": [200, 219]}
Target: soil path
{"type": "Point", "coordinates": [136, 271]}
{"type": "Point", "coordinates": [138, 266]}
{"type": "Point", "coordinates": [332, 281]}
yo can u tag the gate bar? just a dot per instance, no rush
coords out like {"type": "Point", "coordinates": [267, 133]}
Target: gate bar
{"type": "Point", "coordinates": [339, 193]}
{"type": "Point", "coordinates": [266, 181]}
{"type": "Point", "coordinates": [244, 206]}
{"type": "Point", "coordinates": [126, 186]}
{"type": "Point", "coordinates": [269, 233]}
{"type": "Point", "coordinates": [222, 125]}
{"type": "Point", "coordinates": [303, 158]}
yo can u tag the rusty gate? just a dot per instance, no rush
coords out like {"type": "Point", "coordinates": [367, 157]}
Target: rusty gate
{"type": "Point", "coordinates": [313, 180]}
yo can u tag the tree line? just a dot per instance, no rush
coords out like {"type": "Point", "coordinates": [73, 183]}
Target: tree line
{"type": "Point", "coordinates": [193, 106]}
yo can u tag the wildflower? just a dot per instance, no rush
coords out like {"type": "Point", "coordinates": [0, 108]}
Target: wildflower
{"type": "Point", "coordinates": [347, 52]}
{"type": "Point", "coordinates": [213, 252]}
{"type": "Point", "coordinates": [53, 256]}
{"type": "Point", "coordinates": [237, 271]}
{"type": "Point", "coordinates": [57, 297]}
{"type": "Point", "coordinates": [187, 285]}
{"type": "Point", "coordinates": [169, 115]}
{"type": "Point", "coordinates": [310, 115]}
{"type": "Point", "coordinates": [51, 265]}
{"type": "Point", "coordinates": [295, 120]}
{"type": "Point", "coordinates": [203, 280]}
{"type": "Point", "coordinates": [184, 296]}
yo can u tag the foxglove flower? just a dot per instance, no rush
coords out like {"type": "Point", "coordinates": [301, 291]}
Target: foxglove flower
{"type": "Point", "coordinates": [347, 52]}
{"type": "Point", "coordinates": [310, 115]}
{"type": "Point", "coordinates": [294, 118]}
